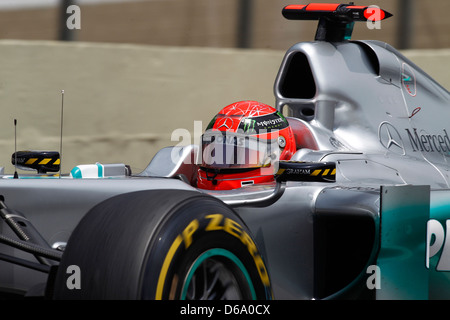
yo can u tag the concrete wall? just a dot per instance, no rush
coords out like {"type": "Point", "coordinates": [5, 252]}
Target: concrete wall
{"type": "Point", "coordinates": [122, 102]}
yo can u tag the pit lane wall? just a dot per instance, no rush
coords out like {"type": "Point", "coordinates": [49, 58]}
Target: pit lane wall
{"type": "Point", "coordinates": [123, 102]}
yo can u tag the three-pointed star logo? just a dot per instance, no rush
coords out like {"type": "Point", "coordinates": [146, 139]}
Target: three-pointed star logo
{"type": "Point", "coordinates": [225, 122]}
{"type": "Point", "coordinates": [390, 138]}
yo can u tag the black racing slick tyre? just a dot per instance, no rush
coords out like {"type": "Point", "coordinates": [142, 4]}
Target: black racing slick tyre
{"type": "Point", "coordinates": [162, 244]}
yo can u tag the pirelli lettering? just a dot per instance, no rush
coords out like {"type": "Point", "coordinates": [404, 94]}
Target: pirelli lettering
{"type": "Point", "coordinates": [211, 223]}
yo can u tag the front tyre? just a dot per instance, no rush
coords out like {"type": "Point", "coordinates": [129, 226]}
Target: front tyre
{"type": "Point", "coordinates": [164, 244]}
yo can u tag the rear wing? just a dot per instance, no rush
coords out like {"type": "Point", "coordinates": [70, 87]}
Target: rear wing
{"type": "Point", "coordinates": [336, 20]}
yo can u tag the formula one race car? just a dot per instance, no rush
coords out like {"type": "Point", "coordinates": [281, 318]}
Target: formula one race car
{"type": "Point", "coordinates": [356, 203]}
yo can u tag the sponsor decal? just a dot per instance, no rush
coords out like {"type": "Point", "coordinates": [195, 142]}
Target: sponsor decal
{"type": "Point", "coordinates": [273, 121]}
{"type": "Point", "coordinates": [226, 123]}
{"type": "Point", "coordinates": [419, 140]}
{"type": "Point", "coordinates": [409, 80]}
{"type": "Point", "coordinates": [437, 241]}
{"type": "Point", "coordinates": [337, 144]}
{"type": "Point", "coordinates": [414, 112]}
{"type": "Point", "coordinates": [248, 125]}
{"type": "Point", "coordinates": [390, 138]}
{"type": "Point", "coordinates": [429, 142]}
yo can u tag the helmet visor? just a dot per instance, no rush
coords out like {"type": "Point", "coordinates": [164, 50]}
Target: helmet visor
{"type": "Point", "coordinates": [232, 150]}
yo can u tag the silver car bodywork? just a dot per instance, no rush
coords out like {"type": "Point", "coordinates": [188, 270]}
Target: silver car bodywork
{"type": "Point", "coordinates": [370, 110]}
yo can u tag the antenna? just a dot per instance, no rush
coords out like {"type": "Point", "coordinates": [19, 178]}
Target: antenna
{"type": "Point", "coordinates": [61, 137]}
{"type": "Point", "coordinates": [16, 176]}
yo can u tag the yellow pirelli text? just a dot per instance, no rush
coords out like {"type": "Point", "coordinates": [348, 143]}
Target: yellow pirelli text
{"type": "Point", "coordinates": [219, 222]}
{"type": "Point", "coordinates": [188, 232]}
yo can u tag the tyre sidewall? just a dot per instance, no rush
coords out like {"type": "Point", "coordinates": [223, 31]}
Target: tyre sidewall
{"type": "Point", "coordinates": [190, 230]}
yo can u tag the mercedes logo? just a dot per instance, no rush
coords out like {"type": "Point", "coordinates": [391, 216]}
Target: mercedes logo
{"type": "Point", "coordinates": [390, 138]}
{"type": "Point", "coordinates": [225, 122]}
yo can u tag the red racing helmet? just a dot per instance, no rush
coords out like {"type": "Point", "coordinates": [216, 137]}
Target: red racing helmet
{"type": "Point", "coordinates": [241, 145]}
